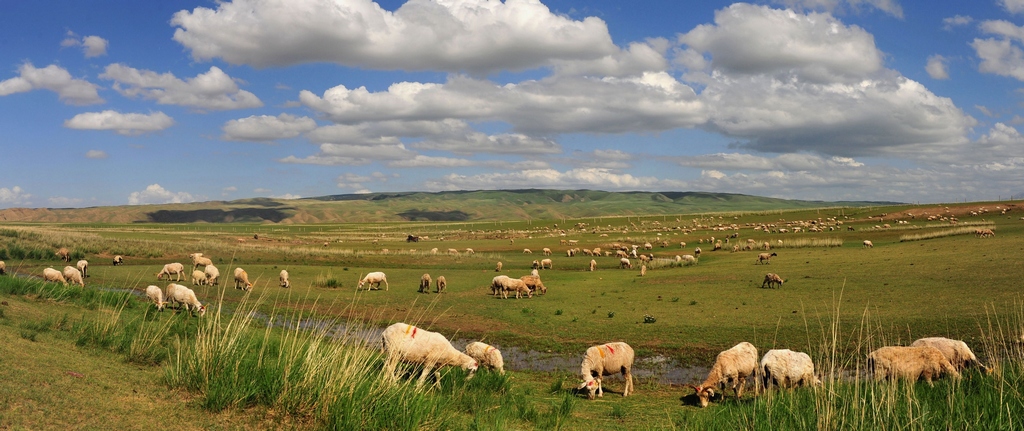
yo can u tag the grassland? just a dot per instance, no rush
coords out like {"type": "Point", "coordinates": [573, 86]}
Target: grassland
{"type": "Point", "coordinates": [839, 301]}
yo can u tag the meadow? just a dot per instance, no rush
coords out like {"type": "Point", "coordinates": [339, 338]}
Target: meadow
{"type": "Point", "coordinates": [305, 357]}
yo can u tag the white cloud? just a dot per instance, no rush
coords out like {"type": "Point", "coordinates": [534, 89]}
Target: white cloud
{"type": "Point", "coordinates": [603, 179]}
{"type": "Point", "coordinates": [124, 124]}
{"type": "Point", "coordinates": [936, 67]}
{"type": "Point", "coordinates": [783, 162]}
{"type": "Point", "coordinates": [421, 161]}
{"type": "Point", "coordinates": [350, 180]}
{"type": "Point", "coordinates": [956, 21]}
{"type": "Point", "coordinates": [1012, 6]}
{"type": "Point", "coordinates": [261, 190]}
{"type": "Point", "coordinates": [213, 90]}
{"type": "Point", "coordinates": [226, 191]}
{"type": "Point", "coordinates": [96, 154]}
{"type": "Point", "coordinates": [286, 196]}
{"type": "Point", "coordinates": [54, 78]}
{"type": "Point", "coordinates": [64, 202]}
{"type": "Point", "coordinates": [353, 155]}
{"type": "Point", "coordinates": [262, 128]}
{"type": "Point", "coordinates": [466, 35]}
{"type": "Point", "coordinates": [154, 194]}
{"type": "Point", "coordinates": [14, 196]}
{"type": "Point", "coordinates": [999, 57]}
{"type": "Point", "coordinates": [92, 46]}
{"type": "Point", "coordinates": [505, 143]}
{"type": "Point", "coordinates": [891, 7]}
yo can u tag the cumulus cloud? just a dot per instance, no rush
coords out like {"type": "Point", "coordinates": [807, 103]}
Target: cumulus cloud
{"type": "Point", "coordinates": [603, 179]}
{"type": "Point", "coordinates": [54, 78]}
{"type": "Point", "coordinates": [92, 46]}
{"type": "Point", "coordinates": [263, 128]}
{"type": "Point", "coordinates": [505, 143]}
{"type": "Point", "coordinates": [956, 21]}
{"type": "Point", "coordinates": [353, 155]}
{"type": "Point", "coordinates": [14, 196]}
{"type": "Point", "coordinates": [783, 162]}
{"type": "Point", "coordinates": [124, 124]}
{"type": "Point", "coordinates": [1012, 6]}
{"type": "Point", "coordinates": [213, 90]}
{"type": "Point", "coordinates": [155, 194]}
{"type": "Point", "coordinates": [936, 67]}
{"type": "Point", "coordinates": [356, 182]}
{"type": "Point", "coordinates": [96, 154]}
{"type": "Point", "coordinates": [469, 35]}
{"type": "Point", "coordinates": [891, 7]}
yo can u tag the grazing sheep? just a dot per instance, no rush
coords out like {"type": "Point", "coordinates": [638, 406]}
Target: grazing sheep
{"type": "Point", "coordinates": [212, 275]}
{"type": "Point", "coordinates": [733, 365]}
{"type": "Point", "coordinates": [433, 250]}
{"type": "Point", "coordinates": [171, 268]}
{"type": "Point", "coordinates": [54, 276]}
{"type": "Point", "coordinates": [83, 267]}
{"type": "Point", "coordinates": [765, 258]}
{"type": "Point", "coordinates": [535, 265]}
{"type": "Point", "coordinates": [374, 278]}
{"type": "Point", "coordinates": [643, 270]}
{"type": "Point", "coordinates": [912, 363]}
{"type": "Point", "coordinates": [868, 244]}
{"type": "Point", "coordinates": [533, 283]}
{"type": "Point", "coordinates": [441, 283]}
{"type": "Point", "coordinates": [624, 263]}
{"type": "Point", "coordinates": [593, 265]}
{"type": "Point", "coordinates": [547, 251]}
{"type": "Point", "coordinates": [497, 268]}
{"type": "Point", "coordinates": [187, 298]}
{"type": "Point", "coordinates": [771, 279]}
{"type": "Point", "coordinates": [486, 355]}
{"type": "Point", "coordinates": [156, 294]}
{"type": "Point", "coordinates": [527, 251]}
{"type": "Point", "coordinates": [453, 251]}
{"type": "Point", "coordinates": [696, 252]}
{"type": "Point", "coordinates": [242, 279]}
{"type": "Point", "coordinates": [424, 284]}
{"type": "Point", "coordinates": [282, 278]}
{"type": "Point", "coordinates": [497, 283]}
{"type": "Point", "coordinates": [470, 251]}
{"type": "Point", "coordinates": [534, 272]}
{"type": "Point", "coordinates": [516, 285]}
{"type": "Point", "coordinates": [606, 360]}
{"type": "Point", "coordinates": [682, 244]}
{"type": "Point", "coordinates": [198, 259]}
{"type": "Point", "coordinates": [688, 258]}
{"type": "Point", "coordinates": [545, 264]}
{"type": "Point", "coordinates": [621, 253]}
{"type": "Point", "coordinates": [199, 277]}
{"type": "Point", "coordinates": [401, 342]}
{"type": "Point", "coordinates": [118, 260]}
{"type": "Point", "coordinates": [956, 351]}
{"type": "Point", "coordinates": [73, 276]}
{"type": "Point", "coordinates": [64, 254]}
{"type": "Point", "coordinates": [786, 368]}
{"type": "Point", "coordinates": [3, 268]}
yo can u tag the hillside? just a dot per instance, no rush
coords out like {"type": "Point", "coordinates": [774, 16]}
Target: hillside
{"type": "Point", "coordinates": [480, 205]}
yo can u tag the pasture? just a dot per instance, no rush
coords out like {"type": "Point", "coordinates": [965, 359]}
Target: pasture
{"type": "Point", "coordinates": [839, 300]}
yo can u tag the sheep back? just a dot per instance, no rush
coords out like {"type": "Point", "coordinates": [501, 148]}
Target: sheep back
{"type": "Point", "coordinates": [956, 351]}
{"type": "Point", "coordinates": [787, 368]}
{"type": "Point", "coordinates": [414, 345]}
{"type": "Point", "coordinates": [912, 363]}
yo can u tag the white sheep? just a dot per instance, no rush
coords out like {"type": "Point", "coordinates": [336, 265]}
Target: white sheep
{"type": "Point", "coordinates": [186, 297]}
{"type": "Point", "coordinates": [242, 279]}
{"type": "Point", "coordinates": [374, 278]}
{"type": "Point", "coordinates": [470, 251]}
{"type": "Point", "coordinates": [509, 284]}
{"type": "Point", "coordinates": [199, 277]}
{"type": "Point", "coordinates": [534, 284]}
{"type": "Point", "coordinates": [771, 279]}
{"type": "Point", "coordinates": [3, 268]}
{"type": "Point", "coordinates": [643, 270]}
{"type": "Point", "coordinates": [402, 342]}
{"type": "Point", "coordinates": [441, 284]}
{"type": "Point", "coordinates": [497, 284]}
{"type": "Point", "coordinates": [912, 363]}
{"type": "Point", "coordinates": [73, 276]}
{"type": "Point", "coordinates": [606, 360]}
{"type": "Point", "coordinates": [198, 259]}
{"type": "Point", "coordinates": [212, 275]}
{"type": "Point", "coordinates": [424, 284]}
{"type": "Point", "coordinates": [593, 265]}
{"type": "Point", "coordinates": [786, 368]}
{"type": "Point", "coordinates": [527, 251]}
{"type": "Point", "coordinates": [625, 263]}
{"type": "Point", "coordinates": [689, 258]}
{"type": "Point", "coordinates": [765, 258]}
{"type": "Point", "coordinates": [547, 251]}
{"type": "Point", "coordinates": [958, 353]}
{"type": "Point", "coordinates": [83, 267]}
{"type": "Point", "coordinates": [54, 276]}
{"type": "Point", "coordinates": [497, 268]}
{"type": "Point", "coordinates": [545, 264]}
{"type": "Point", "coordinates": [486, 355]}
{"type": "Point", "coordinates": [156, 295]}
{"type": "Point", "coordinates": [282, 279]}
{"type": "Point", "coordinates": [171, 268]}
{"type": "Point", "coordinates": [868, 244]}
{"type": "Point", "coordinates": [535, 273]}
{"type": "Point", "coordinates": [118, 260]}
{"type": "Point", "coordinates": [731, 366]}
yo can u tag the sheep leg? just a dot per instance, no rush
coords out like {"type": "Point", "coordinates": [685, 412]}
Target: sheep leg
{"type": "Point", "coordinates": [386, 287]}
{"type": "Point", "coordinates": [629, 381]}
{"type": "Point", "coordinates": [741, 383]}
{"type": "Point", "coordinates": [427, 368]}
{"type": "Point", "coordinates": [600, 390]}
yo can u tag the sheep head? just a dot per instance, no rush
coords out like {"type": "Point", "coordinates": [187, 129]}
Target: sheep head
{"type": "Point", "coordinates": [589, 385]}
{"type": "Point", "coordinates": [202, 310]}
{"type": "Point", "coordinates": [704, 394]}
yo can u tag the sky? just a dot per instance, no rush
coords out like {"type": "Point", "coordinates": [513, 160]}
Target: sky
{"type": "Point", "coordinates": [126, 102]}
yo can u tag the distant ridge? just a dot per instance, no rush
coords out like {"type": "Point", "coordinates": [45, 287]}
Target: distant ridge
{"type": "Point", "coordinates": [447, 206]}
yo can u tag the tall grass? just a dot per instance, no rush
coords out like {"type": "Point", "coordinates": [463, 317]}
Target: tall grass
{"type": "Point", "coordinates": [808, 243]}
{"type": "Point", "coordinates": [959, 230]}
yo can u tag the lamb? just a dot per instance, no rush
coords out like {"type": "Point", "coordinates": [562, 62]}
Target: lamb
{"type": "Point", "coordinates": [118, 260]}
{"type": "Point", "coordinates": [733, 365]}
{"type": "Point", "coordinates": [470, 251]}
{"type": "Point", "coordinates": [911, 363]}
{"type": "Point", "coordinates": [486, 355]}
{"type": "Point", "coordinates": [533, 283]}
{"type": "Point", "coordinates": [64, 254]}
{"type": "Point", "coordinates": [786, 368]}
{"type": "Point", "coordinates": [535, 265]}
{"type": "Point", "coordinates": [54, 276]}
{"type": "Point", "coordinates": [171, 268]}
{"type": "Point", "coordinates": [770, 279]}
{"type": "Point", "coordinates": [498, 267]}
{"type": "Point", "coordinates": [424, 284]}
{"type": "Point", "coordinates": [374, 278]}
{"type": "Point", "coordinates": [765, 258]}
{"type": "Point", "coordinates": [198, 259]}
{"type": "Point", "coordinates": [606, 360]}
{"type": "Point", "coordinates": [409, 344]}
{"type": "Point", "coordinates": [442, 284]}
{"type": "Point", "coordinates": [212, 275]}
{"type": "Point", "coordinates": [3, 268]}
{"type": "Point", "coordinates": [242, 279]}
{"type": "Point", "coordinates": [534, 272]}
{"type": "Point", "coordinates": [956, 351]}
{"type": "Point", "coordinates": [157, 296]}
{"type": "Point", "coordinates": [545, 263]}
{"type": "Point", "coordinates": [593, 265]}
{"type": "Point", "coordinates": [868, 244]}
{"type": "Point", "coordinates": [187, 298]}
{"type": "Point", "coordinates": [73, 276]}
{"type": "Point", "coordinates": [83, 267]}
{"type": "Point", "coordinates": [625, 263]}
{"type": "Point", "coordinates": [282, 278]}
{"type": "Point", "coordinates": [453, 251]}
{"type": "Point", "coordinates": [199, 277]}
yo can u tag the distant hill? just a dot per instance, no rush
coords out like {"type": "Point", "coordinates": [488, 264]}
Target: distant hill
{"type": "Point", "coordinates": [478, 205]}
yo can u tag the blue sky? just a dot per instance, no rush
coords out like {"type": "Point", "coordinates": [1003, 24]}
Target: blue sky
{"type": "Point", "coordinates": [114, 102]}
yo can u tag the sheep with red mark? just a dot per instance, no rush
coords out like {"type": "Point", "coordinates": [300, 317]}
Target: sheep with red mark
{"type": "Point", "coordinates": [486, 355]}
{"type": "Point", "coordinates": [732, 366]}
{"type": "Point", "coordinates": [606, 360]}
{"type": "Point", "coordinates": [402, 342]}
